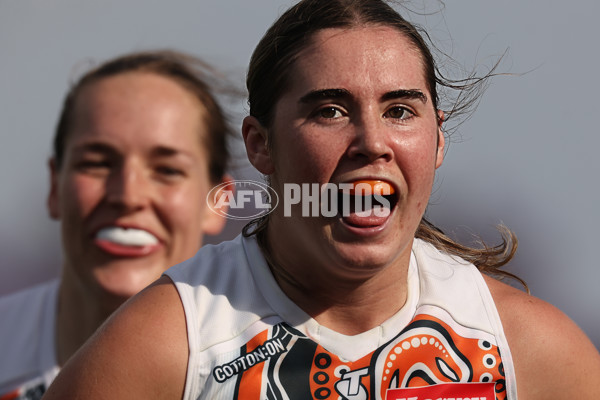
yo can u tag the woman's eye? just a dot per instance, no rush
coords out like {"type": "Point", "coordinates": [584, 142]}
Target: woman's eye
{"type": "Point", "coordinates": [330, 113]}
{"type": "Point", "coordinates": [169, 171]}
{"type": "Point", "coordinates": [87, 165]}
{"type": "Point", "coordinates": [399, 113]}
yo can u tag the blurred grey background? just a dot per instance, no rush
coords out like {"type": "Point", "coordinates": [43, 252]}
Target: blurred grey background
{"type": "Point", "coordinates": [526, 158]}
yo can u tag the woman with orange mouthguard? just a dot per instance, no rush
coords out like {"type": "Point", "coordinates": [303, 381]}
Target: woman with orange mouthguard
{"type": "Point", "coordinates": [355, 306]}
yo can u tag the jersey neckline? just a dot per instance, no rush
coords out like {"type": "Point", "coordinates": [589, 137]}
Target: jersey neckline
{"type": "Point", "coordinates": [347, 347]}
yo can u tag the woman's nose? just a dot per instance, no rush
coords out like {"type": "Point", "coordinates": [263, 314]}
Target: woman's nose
{"type": "Point", "coordinates": [128, 188]}
{"type": "Point", "coordinates": [370, 140]}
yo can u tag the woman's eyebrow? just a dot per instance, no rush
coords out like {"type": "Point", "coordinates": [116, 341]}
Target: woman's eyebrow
{"type": "Point", "coordinates": [93, 147]}
{"type": "Point", "coordinates": [166, 151]}
{"type": "Point", "coordinates": [321, 94]}
{"type": "Point", "coordinates": [405, 94]}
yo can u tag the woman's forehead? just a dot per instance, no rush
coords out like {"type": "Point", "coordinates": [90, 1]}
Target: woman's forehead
{"type": "Point", "coordinates": [371, 58]}
{"type": "Point", "coordinates": [140, 107]}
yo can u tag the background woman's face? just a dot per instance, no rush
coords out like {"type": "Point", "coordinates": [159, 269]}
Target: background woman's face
{"type": "Point", "coordinates": [357, 108]}
{"type": "Point", "coordinates": [131, 193]}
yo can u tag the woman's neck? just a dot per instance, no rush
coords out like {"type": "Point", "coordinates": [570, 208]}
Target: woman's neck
{"type": "Point", "coordinates": [354, 310]}
{"type": "Point", "coordinates": [79, 314]}
{"type": "Point", "coordinates": [348, 306]}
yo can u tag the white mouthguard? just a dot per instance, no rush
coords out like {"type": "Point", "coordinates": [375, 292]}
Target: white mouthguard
{"type": "Point", "coordinates": [127, 236]}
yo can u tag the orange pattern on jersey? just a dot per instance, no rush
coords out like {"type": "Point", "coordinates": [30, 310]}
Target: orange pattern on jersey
{"type": "Point", "coordinates": [327, 371]}
{"type": "Point", "coordinates": [442, 357]}
{"type": "Point", "coordinates": [251, 380]}
{"type": "Point", "coordinates": [428, 351]}
{"type": "Point", "coordinates": [10, 396]}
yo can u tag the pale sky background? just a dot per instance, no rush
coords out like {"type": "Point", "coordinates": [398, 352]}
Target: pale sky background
{"type": "Point", "coordinates": [526, 158]}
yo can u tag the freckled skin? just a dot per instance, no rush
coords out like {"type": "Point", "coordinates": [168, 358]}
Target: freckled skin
{"type": "Point", "coordinates": [357, 107]}
{"type": "Point", "coordinates": [364, 141]}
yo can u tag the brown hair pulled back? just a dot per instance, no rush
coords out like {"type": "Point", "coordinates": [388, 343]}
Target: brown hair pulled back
{"type": "Point", "coordinates": [269, 74]}
{"type": "Point", "coordinates": [188, 71]}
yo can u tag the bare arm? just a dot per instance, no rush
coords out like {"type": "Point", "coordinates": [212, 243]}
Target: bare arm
{"type": "Point", "coordinates": [140, 352]}
{"type": "Point", "coordinates": [553, 358]}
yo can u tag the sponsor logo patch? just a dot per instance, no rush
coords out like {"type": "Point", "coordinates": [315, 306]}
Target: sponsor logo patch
{"type": "Point", "coordinates": [445, 391]}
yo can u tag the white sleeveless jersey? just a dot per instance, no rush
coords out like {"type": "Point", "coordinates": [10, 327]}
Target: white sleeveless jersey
{"type": "Point", "coordinates": [27, 357]}
{"type": "Point", "coordinates": [248, 341]}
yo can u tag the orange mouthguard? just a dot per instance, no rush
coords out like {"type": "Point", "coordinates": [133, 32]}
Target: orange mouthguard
{"type": "Point", "coordinates": [371, 186]}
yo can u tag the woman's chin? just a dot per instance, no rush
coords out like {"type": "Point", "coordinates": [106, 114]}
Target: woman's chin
{"type": "Point", "coordinates": [123, 283]}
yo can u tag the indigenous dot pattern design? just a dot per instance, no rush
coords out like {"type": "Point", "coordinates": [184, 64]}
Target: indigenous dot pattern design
{"type": "Point", "coordinates": [427, 352]}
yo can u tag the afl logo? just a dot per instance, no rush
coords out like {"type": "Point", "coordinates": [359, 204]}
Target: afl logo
{"type": "Point", "coordinates": [242, 200]}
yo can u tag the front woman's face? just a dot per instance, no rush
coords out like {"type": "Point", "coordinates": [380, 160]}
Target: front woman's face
{"type": "Point", "coordinates": [357, 109]}
{"type": "Point", "coordinates": [131, 191]}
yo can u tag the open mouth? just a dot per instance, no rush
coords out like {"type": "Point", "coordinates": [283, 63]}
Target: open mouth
{"type": "Point", "coordinates": [126, 242]}
{"type": "Point", "coordinates": [367, 203]}
{"type": "Point", "coordinates": [126, 236]}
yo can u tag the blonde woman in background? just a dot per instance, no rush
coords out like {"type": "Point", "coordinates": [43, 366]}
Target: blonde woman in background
{"type": "Point", "coordinates": [140, 142]}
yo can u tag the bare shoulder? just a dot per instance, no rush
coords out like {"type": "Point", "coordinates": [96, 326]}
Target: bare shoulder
{"type": "Point", "coordinates": [140, 352]}
{"type": "Point", "coordinates": [553, 358]}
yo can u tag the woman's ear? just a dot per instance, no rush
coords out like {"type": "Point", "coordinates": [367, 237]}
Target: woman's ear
{"type": "Point", "coordinates": [441, 140]}
{"type": "Point", "coordinates": [257, 147]}
{"type": "Point", "coordinates": [53, 201]}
